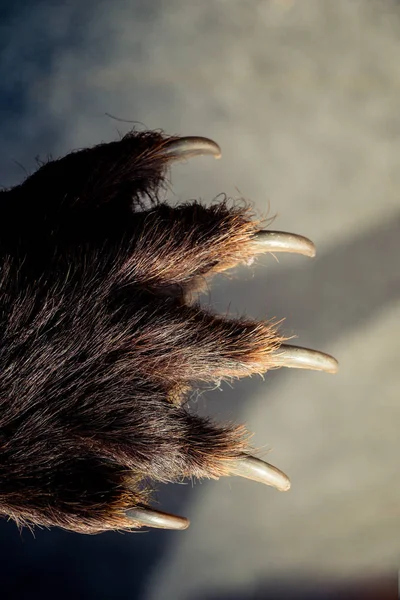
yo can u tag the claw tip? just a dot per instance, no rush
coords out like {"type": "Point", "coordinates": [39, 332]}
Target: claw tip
{"type": "Point", "coordinates": [286, 486]}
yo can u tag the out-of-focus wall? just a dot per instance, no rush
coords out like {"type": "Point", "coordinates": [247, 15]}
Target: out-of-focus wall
{"type": "Point", "coordinates": [303, 97]}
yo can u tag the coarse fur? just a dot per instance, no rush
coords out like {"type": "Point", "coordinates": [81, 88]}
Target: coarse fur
{"type": "Point", "coordinates": [100, 343]}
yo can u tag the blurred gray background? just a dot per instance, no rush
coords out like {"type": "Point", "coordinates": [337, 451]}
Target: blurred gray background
{"type": "Point", "coordinates": [304, 99]}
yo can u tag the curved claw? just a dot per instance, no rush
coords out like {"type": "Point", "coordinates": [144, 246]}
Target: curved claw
{"type": "Point", "coordinates": [303, 358]}
{"type": "Point", "coordinates": [256, 469]}
{"type": "Point", "coordinates": [186, 147]}
{"type": "Point", "coordinates": [280, 241]}
{"type": "Point", "coordinates": [145, 517]}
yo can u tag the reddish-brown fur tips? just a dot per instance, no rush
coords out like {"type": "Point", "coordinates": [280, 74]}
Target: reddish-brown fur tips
{"type": "Point", "coordinates": [100, 344]}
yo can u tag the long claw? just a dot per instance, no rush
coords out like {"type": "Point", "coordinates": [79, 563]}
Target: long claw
{"type": "Point", "coordinates": [303, 358]}
{"type": "Point", "coordinates": [186, 147]}
{"type": "Point", "coordinates": [280, 241]}
{"type": "Point", "coordinates": [256, 469]}
{"type": "Point", "coordinates": [145, 517]}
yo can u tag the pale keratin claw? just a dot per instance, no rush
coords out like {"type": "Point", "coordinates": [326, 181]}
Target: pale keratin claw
{"type": "Point", "coordinates": [256, 469]}
{"type": "Point", "coordinates": [186, 147]}
{"type": "Point", "coordinates": [303, 358]}
{"type": "Point", "coordinates": [144, 517]}
{"type": "Point", "coordinates": [280, 241]}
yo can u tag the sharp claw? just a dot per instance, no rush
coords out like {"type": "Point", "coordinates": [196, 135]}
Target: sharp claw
{"type": "Point", "coordinates": [186, 147]}
{"type": "Point", "coordinates": [303, 358]}
{"type": "Point", "coordinates": [280, 241]}
{"type": "Point", "coordinates": [256, 469]}
{"type": "Point", "coordinates": [145, 517]}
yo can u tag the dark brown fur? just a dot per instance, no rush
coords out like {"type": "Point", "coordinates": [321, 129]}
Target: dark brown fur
{"type": "Point", "coordinates": [99, 345]}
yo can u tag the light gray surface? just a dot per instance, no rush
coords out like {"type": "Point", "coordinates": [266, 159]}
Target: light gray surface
{"type": "Point", "coordinates": [303, 98]}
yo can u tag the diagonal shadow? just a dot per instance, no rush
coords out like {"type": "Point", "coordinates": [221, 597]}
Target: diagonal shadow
{"type": "Point", "coordinates": [381, 588]}
{"type": "Point", "coordinates": [335, 293]}
{"type": "Point", "coordinates": [330, 297]}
